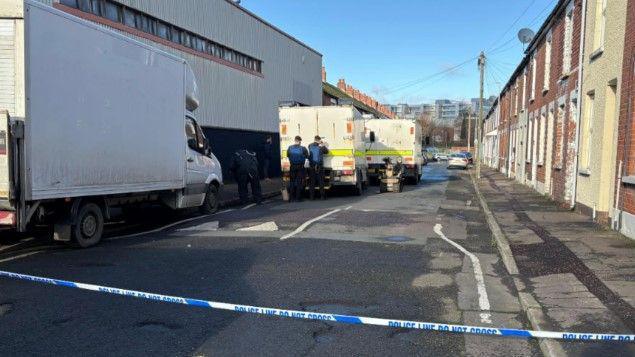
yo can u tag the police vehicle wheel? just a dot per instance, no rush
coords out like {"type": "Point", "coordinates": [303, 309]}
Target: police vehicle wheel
{"type": "Point", "coordinates": [89, 226]}
{"type": "Point", "coordinates": [359, 188]}
{"type": "Point", "coordinates": [211, 200]}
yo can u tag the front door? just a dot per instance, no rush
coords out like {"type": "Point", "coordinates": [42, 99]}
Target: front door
{"type": "Point", "coordinates": [549, 153]}
{"type": "Point", "coordinates": [198, 165]}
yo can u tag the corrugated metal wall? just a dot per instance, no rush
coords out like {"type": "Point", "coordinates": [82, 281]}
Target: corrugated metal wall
{"type": "Point", "coordinates": [231, 98]}
{"type": "Point", "coordinates": [7, 65]}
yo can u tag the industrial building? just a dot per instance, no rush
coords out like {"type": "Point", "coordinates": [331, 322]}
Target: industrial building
{"type": "Point", "coordinates": [244, 65]}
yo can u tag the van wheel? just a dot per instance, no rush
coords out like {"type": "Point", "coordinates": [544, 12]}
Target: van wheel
{"type": "Point", "coordinates": [89, 226]}
{"type": "Point", "coordinates": [417, 175]}
{"type": "Point", "coordinates": [211, 200]}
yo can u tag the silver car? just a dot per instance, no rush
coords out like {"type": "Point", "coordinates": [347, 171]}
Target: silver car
{"type": "Point", "coordinates": [458, 161]}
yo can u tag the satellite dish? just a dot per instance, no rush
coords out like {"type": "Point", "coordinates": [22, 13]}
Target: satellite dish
{"type": "Point", "coordinates": [525, 35]}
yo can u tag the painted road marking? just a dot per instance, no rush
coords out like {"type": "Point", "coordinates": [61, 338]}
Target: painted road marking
{"type": "Point", "coordinates": [209, 226]}
{"type": "Point", "coordinates": [17, 244]}
{"type": "Point", "coordinates": [168, 226]}
{"type": "Point", "coordinates": [19, 256]}
{"type": "Point", "coordinates": [265, 227]}
{"type": "Point", "coordinates": [483, 300]}
{"type": "Point", "coordinates": [308, 223]}
{"type": "Point", "coordinates": [248, 207]}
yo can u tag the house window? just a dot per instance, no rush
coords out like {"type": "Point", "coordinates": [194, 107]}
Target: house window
{"type": "Point", "coordinates": [533, 76]}
{"type": "Point", "coordinates": [516, 99]}
{"type": "Point", "coordinates": [545, 85]}
{"type": "Point", "coordinates": [586, 129]}
{"type": "Point", "coordinates": [599, 24]}
{"type": "Point", "coordinates": [534, 143]}
{"type": "Point", "coordinates": [542, 139]}
{"type": "Point", "coordinates": [559, 149]}
{"type": "Point", "coordinates": [568, 40]}
{"type": "Point", "coordinates": [530, 141]}
{"type": "Point", "coordinates": [524, 100]}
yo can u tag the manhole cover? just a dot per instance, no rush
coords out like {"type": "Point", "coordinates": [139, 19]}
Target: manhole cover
{"type": "Point", "coordinates": [397, 239]}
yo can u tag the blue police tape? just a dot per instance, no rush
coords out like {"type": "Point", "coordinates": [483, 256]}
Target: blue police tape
{"type": "Point", "coordinates": [358, 320]}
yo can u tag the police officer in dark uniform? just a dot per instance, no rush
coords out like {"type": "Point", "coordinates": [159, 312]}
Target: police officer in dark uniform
{"type": "Point", "coordinates": [317, 150]}
{"type": "Point", "coordinates": [244, 167]}
{"type": "Point", "coordinates": [297, 155]}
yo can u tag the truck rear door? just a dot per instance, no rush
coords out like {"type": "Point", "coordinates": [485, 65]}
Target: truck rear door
{"type": "Point", "coordinates": [7, 106]}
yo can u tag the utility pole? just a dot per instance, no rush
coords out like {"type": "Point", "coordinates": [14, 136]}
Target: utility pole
{"type": "Point", "coordinates": [479, 147]}
{"type": "Point", "coordinates": [469, 128]}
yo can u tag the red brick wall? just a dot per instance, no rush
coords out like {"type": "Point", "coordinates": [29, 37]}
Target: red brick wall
{"type": "Point", "coordinates": [563, 163]}
{"type": "Point", "coordinates": [626, 129]}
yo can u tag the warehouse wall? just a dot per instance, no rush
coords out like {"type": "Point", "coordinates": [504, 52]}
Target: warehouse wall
{"type": "Point", "coordinates": [240, 105]}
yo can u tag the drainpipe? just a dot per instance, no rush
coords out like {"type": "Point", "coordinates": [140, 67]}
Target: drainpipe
{"type": "Point", "coordinates": [579, 104]}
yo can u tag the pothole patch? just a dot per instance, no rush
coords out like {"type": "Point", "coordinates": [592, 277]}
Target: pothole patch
{"type": "Point", "coordinates": [432, 280]}
{"type": "Point", "coordinates": [397, 239]}
{"type": "Point", "coordinates": [157, 326]}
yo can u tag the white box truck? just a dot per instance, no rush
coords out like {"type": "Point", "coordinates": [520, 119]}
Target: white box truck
{"type": "Point", "coordinates": [342, 128]}
{"type": "Point", "coordinates": [91, 120]}
{"type": "Point", "coordinates": [395, 138]}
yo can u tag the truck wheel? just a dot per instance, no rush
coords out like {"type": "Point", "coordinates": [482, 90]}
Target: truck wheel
{"type": "Point", "coordinates": [211, 200]}
{"type": "Point", "coordinates": [89, 227]}
{"type": "Point", "coordinates": [359, 186]}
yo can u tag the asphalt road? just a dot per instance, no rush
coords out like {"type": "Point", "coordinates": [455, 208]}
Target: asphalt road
{"type": "Point", "coordinates": [380, 255]}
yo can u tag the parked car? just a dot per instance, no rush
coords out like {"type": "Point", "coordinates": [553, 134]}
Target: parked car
{"type": "Point", "coordinates": [457, 161]}
{"type": "Point", "coordinates": [441, 156]}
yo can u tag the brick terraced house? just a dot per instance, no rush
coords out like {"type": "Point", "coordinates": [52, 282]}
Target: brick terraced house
{"type": "Point", "coordinates": [565, 117]}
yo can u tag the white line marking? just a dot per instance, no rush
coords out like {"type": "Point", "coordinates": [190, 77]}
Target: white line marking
{"type": "Point", "coordinates": [248, 207]}
{"type": "Point", "coordinates": [19, 256]}
{"type": "Point", "coordinates": [347, 208]}
{"type": "Point", "coordinates": [264, 227]}
{"type": "Point", "coordinates": [168, 226]}
{"type": "Point", "coordinates": [308, 223]}
{"type": "Point", "coordinates": [17, 244]}
{"type": "Point", "coordinates": [483, 300]}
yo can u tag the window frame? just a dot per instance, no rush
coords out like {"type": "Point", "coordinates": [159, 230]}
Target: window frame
{"type": "Point", "coordinates": [547, 62]}
{"type": "Point", "coordinates": [567, 50]}
{"type": "Point", "coordinates": [133, 18]}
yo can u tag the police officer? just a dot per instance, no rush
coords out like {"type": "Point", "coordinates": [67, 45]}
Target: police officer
{"type": "Point", "coordinates": [267, 155]}
{"type": "Point", "coordinates": [244, 167]}
{"type": "Point", "coordinates": [297, 155]}
{"type": "Point", "coordinates": [317, 150]}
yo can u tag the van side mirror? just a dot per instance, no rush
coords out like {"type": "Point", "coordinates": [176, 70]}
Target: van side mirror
{"type": "Point", "coordinates": [372, 136]}
{"type": "Point", "coordinates": [207, 148]}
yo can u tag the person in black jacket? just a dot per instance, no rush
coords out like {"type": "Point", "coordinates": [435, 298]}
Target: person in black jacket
{"type": "Point", "coordinates": [297, 155]}
{"type": "Point", "coordinates": [317, 150]}
{"type": "Point", "coordinates": [267, 155]}
{"type": "Point", "coordinates": [244, 168]}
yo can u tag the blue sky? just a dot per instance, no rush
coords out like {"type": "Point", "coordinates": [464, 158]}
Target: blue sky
{"type": "Point", "coordinates": [390, 48]}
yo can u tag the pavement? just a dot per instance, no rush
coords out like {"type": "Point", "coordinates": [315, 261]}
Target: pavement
{"type": "Point", "coordinates": [578, 275]}
{"type": "Point", "coordinates": [427, 254]}
{"type": "Point", "coordinates": [229, 192]}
